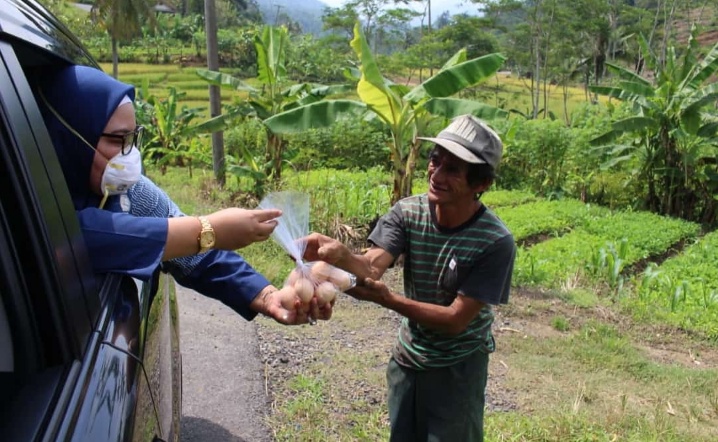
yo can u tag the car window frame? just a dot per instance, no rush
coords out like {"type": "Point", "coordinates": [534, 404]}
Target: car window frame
{"type": "Point", "coordinates": [51, 311]}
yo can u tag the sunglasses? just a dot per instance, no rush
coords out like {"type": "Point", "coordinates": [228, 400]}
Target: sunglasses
{"type": "Point", "coordinates": [129, 139]}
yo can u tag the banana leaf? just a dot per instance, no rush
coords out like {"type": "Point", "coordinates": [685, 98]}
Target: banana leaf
{"type": "Point", "coordinates": [372, 87]}
{"type": "Point", "coordinates": [314, 116]}
{"type": "Point", "coordinates": [220, 79]}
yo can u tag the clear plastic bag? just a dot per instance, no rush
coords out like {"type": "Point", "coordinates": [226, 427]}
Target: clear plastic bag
{"type": "Point", "coordinates": [308, 278]}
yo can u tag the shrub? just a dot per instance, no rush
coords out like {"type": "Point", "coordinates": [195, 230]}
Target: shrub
{"type": "Point", "coordinates": [348, 144]}
{"type": "Point", "coordinates": [250, 134]}
{"type": "Point", "coordinates": [538, 157]}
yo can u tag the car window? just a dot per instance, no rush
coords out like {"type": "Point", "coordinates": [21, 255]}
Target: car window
{"type": "Point", "coordinates": [33, 296]}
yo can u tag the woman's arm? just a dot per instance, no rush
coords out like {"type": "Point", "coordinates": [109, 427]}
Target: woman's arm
{"type": "Point", "coordinates": [234, 228]}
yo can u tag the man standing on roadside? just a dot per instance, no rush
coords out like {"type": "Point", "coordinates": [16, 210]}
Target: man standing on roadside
{"type": "Point", "coordinates": [459, 258]}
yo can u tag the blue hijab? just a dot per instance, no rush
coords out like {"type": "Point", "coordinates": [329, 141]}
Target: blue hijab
{"type": "Point", "coordinates": [86, 98]}
{"type": "Point", "coordinates": [125, 243]}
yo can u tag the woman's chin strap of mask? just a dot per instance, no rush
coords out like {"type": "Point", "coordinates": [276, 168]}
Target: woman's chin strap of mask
{"type": "Point", "coordinates": [121, 173]}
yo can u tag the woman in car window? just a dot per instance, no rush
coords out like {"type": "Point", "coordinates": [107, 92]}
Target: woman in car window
{"type": "Point", "coordinates": [130, 225]}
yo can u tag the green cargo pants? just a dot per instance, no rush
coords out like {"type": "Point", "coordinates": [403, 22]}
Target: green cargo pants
{"type": "Point", "coordinates": [438, 405]}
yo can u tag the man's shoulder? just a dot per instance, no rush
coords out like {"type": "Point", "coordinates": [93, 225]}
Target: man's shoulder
{"type": "Point", "coordinates": [491, 217]}
{"type": "Point", "coordinates": [413, 202]}
{"type": "Point", "coordinates": [489, 228]}
{"type": "Point", "coordinates": [415, 207]}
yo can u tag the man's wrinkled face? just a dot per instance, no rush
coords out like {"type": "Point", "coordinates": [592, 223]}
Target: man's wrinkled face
{"type": "Point", "coordinates": [447, 178]}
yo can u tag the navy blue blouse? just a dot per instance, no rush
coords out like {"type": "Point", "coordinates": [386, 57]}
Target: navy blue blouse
{"type": "Point", "coordinates": [129, 233]}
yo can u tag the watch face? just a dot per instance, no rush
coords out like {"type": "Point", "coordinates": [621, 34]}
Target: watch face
{"type": "Point", "coordinates": [207, 239]}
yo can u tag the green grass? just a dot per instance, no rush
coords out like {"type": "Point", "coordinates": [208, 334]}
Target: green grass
{"type": "Point", "coordinates": [600, 246]}
{"type": "Point", "coordinates": [546, 217]}
{"type": "Point", "coordinates": [600, 383]}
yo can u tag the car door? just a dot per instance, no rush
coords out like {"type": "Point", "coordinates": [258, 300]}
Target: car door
{"type": "Point", "coordinates": [47, 292]}
{"type": "Point", "coordinates": [73, 345]}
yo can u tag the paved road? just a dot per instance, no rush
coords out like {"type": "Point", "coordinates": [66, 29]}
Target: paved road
{"type": "Point", "coordinates": [224, 395]}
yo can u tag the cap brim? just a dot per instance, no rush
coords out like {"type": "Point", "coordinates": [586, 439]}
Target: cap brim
{"type": "Point", "coordinates": [456, 149]}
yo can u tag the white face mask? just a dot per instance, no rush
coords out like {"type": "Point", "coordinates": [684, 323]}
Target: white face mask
{"type": "Point", "coordinates": [121, 172]}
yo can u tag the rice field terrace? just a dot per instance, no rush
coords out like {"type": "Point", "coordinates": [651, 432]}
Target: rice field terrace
{"type": "Point", "coordinates": [501, 88]}
{"type": "Point", "coordinates": [609, 335]}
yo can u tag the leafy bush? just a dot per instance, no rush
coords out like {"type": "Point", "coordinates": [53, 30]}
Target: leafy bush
{"type": "Point", "coordinates": [247, 134]}
{"type": "Point", "coordinates": [236, 49]}
{"type": "Point", "coordinates": [538, 157]}
{"type": "Point", "coordinates": [311, 60]}
{"type": "Point", "coordinates": [346, 197]}
{"type": "Point", "coordinates": [616, 190]}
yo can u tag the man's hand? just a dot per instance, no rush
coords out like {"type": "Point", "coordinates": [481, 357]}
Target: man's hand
{"type": "Point", "coordinates": [323, 248]}
{"type": "Point", "coordinates": [371, 290]}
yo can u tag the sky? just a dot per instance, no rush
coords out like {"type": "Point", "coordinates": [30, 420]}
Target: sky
{"type": "Point", "coordinates": [437, 6]}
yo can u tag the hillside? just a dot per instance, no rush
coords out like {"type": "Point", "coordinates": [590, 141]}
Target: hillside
{"type": "Point", "coordinates": [704, 19]}
{"type": "Point", "coordinates": [308, 13]}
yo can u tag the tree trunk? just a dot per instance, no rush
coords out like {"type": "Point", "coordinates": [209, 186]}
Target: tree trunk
{"type": "Point", "coordinates": [408, 179]}
{"type": "Point", "coordinates": [214, 96]}
{"type": "Point", "coordinates": [536, 80]}
{"type": "Point", "coordinates": [399, 167]}
{"type": "Point", "coordinates": [536, 76]}
{"type": "Point", "coordinates": [566, 116]}
{"type": "Point", "coordinates": [397, 190]}
{"type": "Point", "coordinates": [115, 57]}
{"type": "Point", "coordinates": [275, 148]}
{"type": "Point", "coordinates": [547, 51]}
{"type": "Point", "coordinates": [670, 190]}
{"type": "Point", "coordinates": [668, 20]}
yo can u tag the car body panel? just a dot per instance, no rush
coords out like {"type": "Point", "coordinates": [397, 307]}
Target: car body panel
{"type": "Point", "coordinates": [93, 357]}
{"type": "Point", "coordinates": [30, 22]}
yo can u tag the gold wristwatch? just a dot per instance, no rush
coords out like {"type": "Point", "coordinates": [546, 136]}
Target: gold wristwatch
{"type": "Point", "coordinates": [206, 235]}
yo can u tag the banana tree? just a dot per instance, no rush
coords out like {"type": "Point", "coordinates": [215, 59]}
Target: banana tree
{"type": "Point", "coordinates": [406, 112]}
{"type": "Point", "coordinates": [170, 130]}
{"type": "Point", "coordinates": [670, 140]}
{"type": "Point", "coordinates": [272, 98]}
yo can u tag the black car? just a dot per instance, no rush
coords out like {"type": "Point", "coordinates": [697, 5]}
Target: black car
{"type": "Point", "coordinates": [82, 357]}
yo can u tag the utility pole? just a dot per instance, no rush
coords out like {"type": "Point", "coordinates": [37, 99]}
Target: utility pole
{"type": "Point", "coordinates": [276, 15]}
{"type": "Point", "coordinates": [215, 103]}
{"type": "Point", "coordinates": [429, 10]}
{"type": "Point", "coordinates": [428, 2]}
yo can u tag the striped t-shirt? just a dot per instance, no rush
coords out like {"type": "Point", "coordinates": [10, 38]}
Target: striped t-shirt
{"type": "Point", "coordinates": [475, 259]}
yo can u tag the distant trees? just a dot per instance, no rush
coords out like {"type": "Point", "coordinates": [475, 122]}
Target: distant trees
{"type": "Point", "coordinates": [552, 41]}
{"type": "Point", "coordinates": [382, 24]}
{"type": "Point", "coordinates": [406, 112]}
{"type": "Point", "coordinates": [123, 19]}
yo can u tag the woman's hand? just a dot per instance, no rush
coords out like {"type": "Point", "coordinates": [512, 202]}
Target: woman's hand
{"type": "Point", "coordinates": [235, 228]}
{"type": "Point", "coordinates": [285, 307]}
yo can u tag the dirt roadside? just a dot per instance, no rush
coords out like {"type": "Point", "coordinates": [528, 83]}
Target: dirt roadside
{"type": "Point", "coordinates": [232, 368]}
{"type": "Point", "coordinates": [224, 396]}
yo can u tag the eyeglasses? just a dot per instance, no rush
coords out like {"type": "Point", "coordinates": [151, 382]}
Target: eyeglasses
{"type": "Point", "coordinates": [128, 139]}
